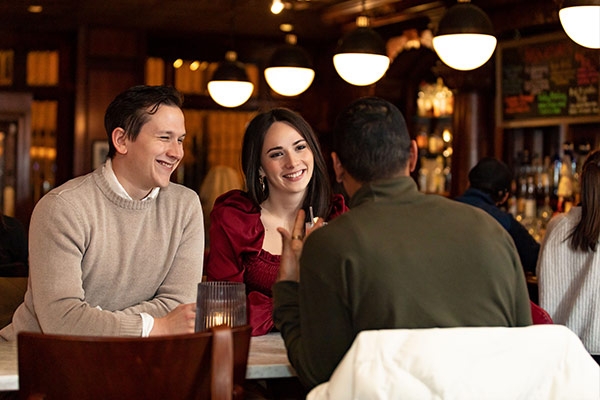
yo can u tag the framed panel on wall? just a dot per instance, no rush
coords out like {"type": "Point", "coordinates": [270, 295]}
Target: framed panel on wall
{"type": "Point", "coordinates": [546, 80]}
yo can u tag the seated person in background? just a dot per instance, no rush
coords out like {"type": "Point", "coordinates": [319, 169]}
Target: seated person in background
{"type": "Point", "coordinates": [569, 263]}
{"type": "Point", "coordinates": [118, 252]}
{"type": "Point", "coordinates": [284, 171]}
{"type": "Point", "coordinates": [13, 249]}
{"type": "Point", "coordinates": [489, 187]}
{"type": "Point", "coordinates": [398, 259]}
{"type": "Point", "coordinates": [219, 179]}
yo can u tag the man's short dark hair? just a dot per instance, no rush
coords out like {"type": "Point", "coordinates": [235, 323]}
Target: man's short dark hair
{"type": "Point", "coordinates": [131, 109]}
{"type": "Point", "coordinates": [491, 176]}
{"type": "Point", "coordinates": [371, 139]}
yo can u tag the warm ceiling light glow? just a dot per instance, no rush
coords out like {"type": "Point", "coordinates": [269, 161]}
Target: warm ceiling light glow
{"type": "Point", "coordinates": [289, 72]}
{"type": "Point", "coordinates": [177, 63]}
{"type": "Point", "coordinates": [230, 93]}
{"type": "Point", "coordinates": [230, 86]}
{"type": "Point", "coordinates": [35, 9]}
{"type": "Point", "coordinates": [361, 58]}
{"type": "Point", "coordinates": [581, 21]}
{"type": "Point", "coordinates": [465, 38]}
{"type": "Point", "coordinates": [277, 6]}
{"type": "Point", "coordinates": [289, 81]}
{"type": "Point", "coordinates": [286, 27]}
{"type": "Point", "coordinates": [194, 66]}
{"type": "Point", "coordinates": [361, 69]}
{"type": "Point", "coordinates": [464, 51]}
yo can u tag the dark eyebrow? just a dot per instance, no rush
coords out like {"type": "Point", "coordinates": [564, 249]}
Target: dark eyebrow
{"type": "Point", "coordinates": [274, 148]}
{"type": "Point", "coordinates": [171, 133]}
{"type": "Point", "coordinates": [281, 147]}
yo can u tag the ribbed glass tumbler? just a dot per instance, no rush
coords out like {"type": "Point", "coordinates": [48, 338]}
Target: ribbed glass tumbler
{"type": "Point", "coordinates": [220, 303]}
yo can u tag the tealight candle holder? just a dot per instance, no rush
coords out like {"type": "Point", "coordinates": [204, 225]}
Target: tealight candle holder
{"type": "Point", "coordinates": [220, 303]}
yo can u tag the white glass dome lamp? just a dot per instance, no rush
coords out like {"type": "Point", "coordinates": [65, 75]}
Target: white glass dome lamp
{"type": "Point", "coordinates": [361, 58]}
{"type": "Point", "coordinates": [581, 21]}
{"type": "Point", "coordinates": [289, 71]}
{"type": "Point", "coordinates": [465, 39]}
{"type": "Point", "coordinates": [229, 85]}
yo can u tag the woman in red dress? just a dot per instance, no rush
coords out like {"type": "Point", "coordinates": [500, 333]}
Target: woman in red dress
{"type": "Point", "coordinates": [284, 171]}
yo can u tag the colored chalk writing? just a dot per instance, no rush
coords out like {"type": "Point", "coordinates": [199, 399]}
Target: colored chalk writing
{"type": "Point", "coordinates": [549, 77]}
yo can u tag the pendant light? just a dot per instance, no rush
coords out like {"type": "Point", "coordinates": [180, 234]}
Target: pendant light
{"type": "Point", "coordinates": [277, 7]}
{"type": "Point", "coordinates": [581, 21]}
{"type": "Point", "coordinates": [465, 38]}
{"type": "Point", "coordinates": [229, 85]}
{"type": "Point", "coordinates": [289, 71]}
{"type": "Point", "coordinates": [361, 58]}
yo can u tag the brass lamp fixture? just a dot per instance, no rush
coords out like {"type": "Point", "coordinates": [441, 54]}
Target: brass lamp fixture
{"type": "Point", "coordinates": [465, 38]}
{"type": "Point", "coordinates": [289, 72]}
{"type": "Point", "coordinates": [361, 58]}
{"type": "Point", "coordinates": [229, 85]}
{"type": "Point", "coordinates": [581, 21]}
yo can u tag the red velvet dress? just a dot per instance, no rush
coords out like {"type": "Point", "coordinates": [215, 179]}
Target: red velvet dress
{"type": "Point", "coordinates": [236, 254]}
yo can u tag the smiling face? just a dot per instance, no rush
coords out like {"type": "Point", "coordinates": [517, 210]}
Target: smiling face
{"type": "Point", "coordinates": [286, 160]}
{"type": "Point", "coordinates": [149, 161]}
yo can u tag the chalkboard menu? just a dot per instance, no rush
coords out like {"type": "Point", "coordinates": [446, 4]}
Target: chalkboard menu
{"type": "Point", "coordinates": [549, 77]}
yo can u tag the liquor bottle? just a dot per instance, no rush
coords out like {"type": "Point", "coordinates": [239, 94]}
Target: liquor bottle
{"type": "Point", "coordinates": [523, 170]}
{"type": "Point", "coordinates": [530, 199]}
{"type": "Point", "coordinates": [512, 200]}
{"type": "Point", "coordinates": [545, 210]}
{"type": "Point", "coordinates": [565, 185]}
{"type": "Point", "coordinates": [530, 220]}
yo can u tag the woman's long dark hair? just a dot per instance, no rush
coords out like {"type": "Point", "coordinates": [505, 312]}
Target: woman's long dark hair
{"type": "Point", "coordinates": [319, 192]}
{"type": "Point", "coordinates": [585, 235]}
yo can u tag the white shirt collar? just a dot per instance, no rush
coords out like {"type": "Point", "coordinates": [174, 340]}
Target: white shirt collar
{"type": "Point", "coordinates": [115, 185]}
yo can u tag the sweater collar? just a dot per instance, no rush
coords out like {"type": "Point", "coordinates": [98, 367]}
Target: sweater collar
{"type": "Point", "coordinates": [403, 188]}
{"type": "Point", "coordinates": [107, 188]}
{"type": "Point", "coordinates": [115, 185]}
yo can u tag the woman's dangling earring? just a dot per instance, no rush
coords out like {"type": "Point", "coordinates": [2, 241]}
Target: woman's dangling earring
{"type": "Point", "coordinates": [261, 180]}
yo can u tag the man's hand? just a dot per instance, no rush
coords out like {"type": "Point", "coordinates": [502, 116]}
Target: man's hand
{"type": "Point", "coordinates": [289, 269]}
{"type": "Point", "coordinates": [181, 320]}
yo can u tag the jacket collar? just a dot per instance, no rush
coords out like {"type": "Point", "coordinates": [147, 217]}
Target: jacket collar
{"type": "Point", "coordinates": [402, 189]}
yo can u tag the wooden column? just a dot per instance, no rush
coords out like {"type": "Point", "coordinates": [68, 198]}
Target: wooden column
{"type": "Point", "coordinates": [473, 120]}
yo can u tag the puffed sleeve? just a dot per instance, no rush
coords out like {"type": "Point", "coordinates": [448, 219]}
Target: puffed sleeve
{"type": "Point", "coordinates": [235, 229]}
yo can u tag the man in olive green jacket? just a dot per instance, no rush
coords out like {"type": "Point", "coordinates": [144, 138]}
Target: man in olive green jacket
{"type": "Point", "coordinates": [398, 259]}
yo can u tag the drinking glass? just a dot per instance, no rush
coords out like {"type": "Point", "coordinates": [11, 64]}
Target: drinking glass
{"type": "Point", "coordinates": [220, 303]}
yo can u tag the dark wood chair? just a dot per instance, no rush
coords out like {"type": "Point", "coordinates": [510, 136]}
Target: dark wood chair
{"type": "Point", "coordinates": [13, 284]}
{"type": "Point", "coordinates": [206, 365]}
{"type": "Point", "coordinates": [14, 270]}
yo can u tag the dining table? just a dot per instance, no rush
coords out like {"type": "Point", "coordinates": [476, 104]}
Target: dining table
{"type": "Point", "coordinates": [267, 359]}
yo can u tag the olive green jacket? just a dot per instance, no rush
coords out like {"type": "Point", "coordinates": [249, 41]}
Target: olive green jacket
{"type": "Point", "coordinates": [398, 259]}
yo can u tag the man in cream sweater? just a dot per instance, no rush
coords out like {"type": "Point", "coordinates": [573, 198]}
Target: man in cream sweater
{"type": "Point", "coordinates": [119, 251]}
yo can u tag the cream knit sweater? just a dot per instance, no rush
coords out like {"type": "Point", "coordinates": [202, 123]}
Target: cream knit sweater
{"type": "Point", "coordinates": [569, 281]}
{"type": "Point", "coordinates": [98, 260]}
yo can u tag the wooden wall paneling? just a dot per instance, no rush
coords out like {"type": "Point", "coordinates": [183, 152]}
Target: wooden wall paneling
{"type": "Point", "coordinates": [109, 61]}
{"type": "Point", "coordinates": [16, 107]}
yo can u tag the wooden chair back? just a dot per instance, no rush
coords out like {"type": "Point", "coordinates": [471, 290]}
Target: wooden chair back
{"type": "Point", "coordinates": [205, 365]}
{"type": "Point", "coordinates": [14, 270]}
